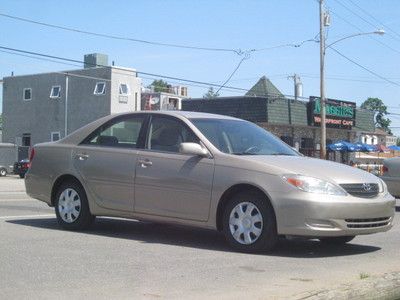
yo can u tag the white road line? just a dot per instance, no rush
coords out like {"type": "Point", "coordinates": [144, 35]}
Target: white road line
{"type": "Point", "coordinates": [27, 216]}
{"type": "Point", "coordinates": [16, 200]}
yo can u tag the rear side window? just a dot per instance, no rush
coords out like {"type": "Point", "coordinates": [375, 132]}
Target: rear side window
{"type": "Point", "coordinates": [121, 133]}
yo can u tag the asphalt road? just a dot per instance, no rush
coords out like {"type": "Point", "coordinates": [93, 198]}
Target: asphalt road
{"type": "Point", "coordinates": [127, 259]}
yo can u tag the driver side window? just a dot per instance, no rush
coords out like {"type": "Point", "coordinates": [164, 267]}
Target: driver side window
{"type": "Point", "coordinates": [166, 134]}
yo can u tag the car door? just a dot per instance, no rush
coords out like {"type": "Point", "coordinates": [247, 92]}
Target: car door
{"type": "Point", "coordinates": [106, 162]}
{"type": "Point", "coordinates": [167, 182]}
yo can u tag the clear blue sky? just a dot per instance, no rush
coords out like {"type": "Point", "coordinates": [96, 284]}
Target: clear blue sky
{"type": "Point", "coordinates": [242, 24]}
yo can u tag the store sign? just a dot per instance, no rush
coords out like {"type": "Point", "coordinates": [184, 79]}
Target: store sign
{"type": "Point", "coordinates": [339, 114]}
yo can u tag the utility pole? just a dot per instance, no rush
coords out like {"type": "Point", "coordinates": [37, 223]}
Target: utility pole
{"type": "Point", "coordinates": [322, 77]}
{"type": "Point", "coordinates": [298, 86]}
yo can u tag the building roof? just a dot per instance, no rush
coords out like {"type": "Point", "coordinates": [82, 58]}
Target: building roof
{"type": "Point", "coordinates": [380, 131]}
{"type": "Point", "coordinates": [264, 88]}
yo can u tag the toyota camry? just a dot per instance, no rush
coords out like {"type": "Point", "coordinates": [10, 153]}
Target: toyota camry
{"type": "Point", "coordinates": [208, 171]}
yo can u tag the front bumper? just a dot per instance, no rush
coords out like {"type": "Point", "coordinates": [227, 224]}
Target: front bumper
{"type": "Point", "coordinates": [315, 215]}
{"type": "Point", "coordinates": [393, 184]}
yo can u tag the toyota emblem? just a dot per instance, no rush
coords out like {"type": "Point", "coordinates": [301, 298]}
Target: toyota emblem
{"type": "Point", "coordinates": [366, 187]}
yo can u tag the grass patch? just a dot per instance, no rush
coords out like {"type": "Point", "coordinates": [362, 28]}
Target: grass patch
{"type": "Point", "coordinates": [364, 275]}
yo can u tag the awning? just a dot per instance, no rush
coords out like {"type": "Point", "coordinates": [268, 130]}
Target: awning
{"type": "Point", "coordinates": [395, 148]}
{"type": "Point", "coordinates": [342, 146]}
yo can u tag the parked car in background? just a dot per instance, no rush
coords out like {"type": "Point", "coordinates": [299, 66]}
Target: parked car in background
{"type": "Point", "coordinates": [208, 171]}
{"type": "Point", "coordinates": [8, 154]}
{"type": "Point", "coordinates": [21, 167]}
{"type": "Point", "coordinates": [391, 175]}
{"type": "Point", "coordinates": [4, 170]}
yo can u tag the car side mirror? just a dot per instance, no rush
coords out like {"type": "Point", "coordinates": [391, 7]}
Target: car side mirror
{"type": "Point", "coordinates": [193, 149]}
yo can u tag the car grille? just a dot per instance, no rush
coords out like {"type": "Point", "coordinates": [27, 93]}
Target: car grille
{"type": "Point", "coordinates": [368, 223]}
{"type": "Point", "coordinates": [363, 190]}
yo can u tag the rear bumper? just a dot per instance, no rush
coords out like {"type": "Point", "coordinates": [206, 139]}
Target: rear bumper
{"type": "Point", "coordinates": [324, 215]}
{"type": "Point", "coordinates": [38, 187]}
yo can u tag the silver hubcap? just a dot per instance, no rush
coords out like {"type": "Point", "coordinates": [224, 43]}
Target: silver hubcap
{"type": "Point", "coordinates": [69, 205]}
{"type": "Point", "coordinates": [245, 223]}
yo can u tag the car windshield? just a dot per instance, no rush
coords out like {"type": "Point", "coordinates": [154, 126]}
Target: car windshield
{"type": "Point", "coordinates": [241, 137]}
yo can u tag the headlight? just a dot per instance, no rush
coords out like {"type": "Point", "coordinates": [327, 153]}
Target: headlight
{"type": "Point", "coordinates": [382, 186]}
{"type": "Point", "coordinates": [314, 185]}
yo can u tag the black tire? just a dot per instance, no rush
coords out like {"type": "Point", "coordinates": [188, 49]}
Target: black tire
{"type": "Point", "coordinates": [21, 175]}
{"type": "Point", "coordinates": [336, 240]}
{"type": "Point", "coordinates": [3, 172]}
{"type": "Point", "coordinates": [84, 218]}
{"type": "Point", "coordinates": [268, 238]}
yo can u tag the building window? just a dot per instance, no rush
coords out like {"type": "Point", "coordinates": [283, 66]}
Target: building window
{"type": "Point", "coordinates": [27, 94]}
{"type": "Point", "coordinates": [123, 89]}
{"type": "Point", "coordinates": [26, 139]}
{"type": "Point", "coordinates": [100, 88]}
{"type": "Point", "coordinates": [55, 91]}
{"type": "Point", "coordinates": [55, 136]}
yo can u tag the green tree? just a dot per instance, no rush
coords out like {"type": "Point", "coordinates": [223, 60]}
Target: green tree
{"type": "Point", "coordinates": [398, 142]}
{"type": "Point", "coordinates": [211, 93]}
{"type": "Point", "coordinates": [376, 105]}
{"type": "Point", "coordinates": [160, 86]}
{"type": "Point", "coordinates": [1, 121]}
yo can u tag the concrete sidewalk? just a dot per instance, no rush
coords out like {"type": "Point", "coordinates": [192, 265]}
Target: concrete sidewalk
{"type": "Point", "coordinates": [386, 287]}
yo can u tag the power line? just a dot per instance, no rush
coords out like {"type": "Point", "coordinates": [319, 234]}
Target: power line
{"type": "Point", "coordinates": [365, 68]}
{"type": "Point", "coordinates": [371, 16]}
{"type": "Point", "coordinates": [40, 58]}
{"type": "Point", "coordinates": [247, 56]}
{"type": "Point", "coordinates": [295, 45]}
{"type": "Point", "coordinates": [343, 79]}
{"type": "Point", "coordinates": [362, 18]}
{"type": "Point", "coordinates": [116, 37]}
{"type": "Point", "coordinates": [53, 57]}
{"type": "Point", "coordinates": [360, 30]}
{"type": "Point", "coordinates": [356, 14]}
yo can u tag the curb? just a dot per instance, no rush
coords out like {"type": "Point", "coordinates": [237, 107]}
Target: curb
{"type": "Point", "coordinates": [385, 287]}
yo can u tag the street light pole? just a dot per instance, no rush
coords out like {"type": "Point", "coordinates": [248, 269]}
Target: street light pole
{"type": "Point", "coordinates": [323, 47]}
{"type": "Point", "coordinates": [322, 78]}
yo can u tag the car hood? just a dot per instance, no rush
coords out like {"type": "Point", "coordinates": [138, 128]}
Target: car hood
{"type": "Point", "coordinates": [313, 167]}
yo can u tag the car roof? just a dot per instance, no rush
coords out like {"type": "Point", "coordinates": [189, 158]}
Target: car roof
{"type": "Point", "coordinates": [77, 136]}
{"type": "Point", "coordinates": [181, 113]}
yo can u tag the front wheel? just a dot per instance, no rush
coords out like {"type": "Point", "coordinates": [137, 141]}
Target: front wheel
{"type": "Point", "coordinates": [21, 176]}
{"type": "Point", "coordinates": [249, 223]}
{"type": "Point", "coordinates": [72, 208]}
{"type": "Point", "coordinates": [336, 240]}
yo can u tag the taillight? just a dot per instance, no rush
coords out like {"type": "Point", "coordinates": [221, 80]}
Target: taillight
{"type": "Point", "coordinates": [385, 169]}
{"type": "Point", "coordinates": [32, 155]}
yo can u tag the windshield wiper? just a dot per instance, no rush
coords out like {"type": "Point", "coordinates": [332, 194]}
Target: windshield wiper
{"type": "Point", "coordinates": [243, 153]}
{"type": "Point", "coordinates": [287, 154]}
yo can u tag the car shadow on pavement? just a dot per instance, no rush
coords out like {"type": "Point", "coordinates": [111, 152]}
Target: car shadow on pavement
{"type": "Point", "coordinates": [157, 233]}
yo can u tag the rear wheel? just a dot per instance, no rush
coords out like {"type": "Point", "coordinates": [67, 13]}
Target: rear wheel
{"type": "Point", "coordinates": [71, 206]}
{"type": "Point", "coordinates": [3, 172]}
{"type": "Point", "coordinates": [249, 223]}
{"type": "Point", "coordinates": [336, 240]}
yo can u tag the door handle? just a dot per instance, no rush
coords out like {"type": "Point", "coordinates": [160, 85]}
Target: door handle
{"type": "Point", "coordinates": [82, 156]}
{"type": "Point", "coordinates": [144, 163]}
